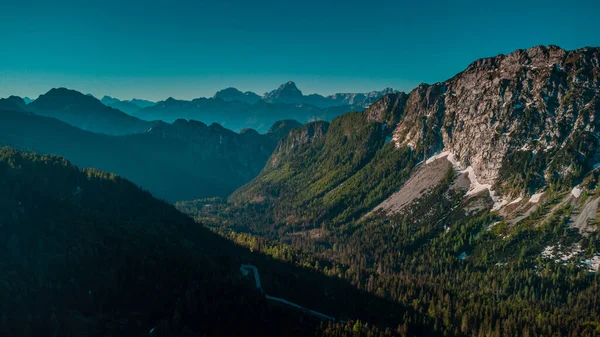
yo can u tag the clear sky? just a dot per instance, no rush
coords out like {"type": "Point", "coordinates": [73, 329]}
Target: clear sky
{"type": "Point", "coordinates": [154, 49]}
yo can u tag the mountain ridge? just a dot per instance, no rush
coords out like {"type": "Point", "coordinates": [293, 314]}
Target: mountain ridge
{"type": "Point", "coordinates": [123, 245]}
{"type": "Point", "coordinates": [484, 118]}
{"type": "Point", "coordinates": [490, 177]}
{"type": "Point", "coordinates": [86, 112]}
{"type": "Point", "coordinates": [183, 160]}
{"type": "Point", "coordinates": [128, 106]}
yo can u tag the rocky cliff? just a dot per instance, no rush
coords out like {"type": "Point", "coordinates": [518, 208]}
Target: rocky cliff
{"type": "Point", "coordinates": [544, 100]}
{"type": "Point", "coordinates": [512, 125]}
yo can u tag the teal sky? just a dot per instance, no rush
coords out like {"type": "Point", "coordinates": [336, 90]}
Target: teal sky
{"type": "Point", "coordinates": [186, 49]}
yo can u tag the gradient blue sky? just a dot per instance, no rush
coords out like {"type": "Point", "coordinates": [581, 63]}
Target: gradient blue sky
{"type": "Point", "coordinates": [185, 49]}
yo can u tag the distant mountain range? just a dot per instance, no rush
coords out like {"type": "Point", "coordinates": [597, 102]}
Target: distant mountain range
{"type": "Point", "coordinates": [129, 106]}
{"type": "Point", "coordinates": [178, 161]}
{"type": "Point", "coordinates": [187, 159]}
{"type": "Point", "coordinates": [238, 110]}
{"type": "Point", "coordinates": [237, 115]}
{"type": "Point", "coordinates": [86, 112]}
{"type": "Point", "coordinates": [289, 93]}
{"type": "Point", "coordinates": [233, 94]}
{"type": "Point", "coordinates": [230, 107]}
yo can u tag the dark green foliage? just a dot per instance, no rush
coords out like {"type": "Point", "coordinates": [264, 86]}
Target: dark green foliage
{"type": "Point", "coordinates": [331, 180]}
{"type": "Point", "coordinates": [523, 171]}
{"type": "Point", "coordinates": [84, 252]}
{"type": "Point", "coordinates": [501, 288]}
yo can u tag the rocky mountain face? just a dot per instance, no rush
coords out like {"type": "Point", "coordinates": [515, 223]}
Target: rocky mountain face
{"type": "Point", "coordinates": [543, 101]}
{"type": "Point", "coordinates": [511, 126]}
{"type": "Point", "coordinates": [86, 112]}
{"type": "Point", "coordinates": [289, 93]}
{"type": "Point", "coordinates": [362, 99]}
{"type": "Point", "coordinates": [490, 175]}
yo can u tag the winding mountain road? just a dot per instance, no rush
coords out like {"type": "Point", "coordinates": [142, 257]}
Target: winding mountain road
{"type": "Point", "coordinates": [247, 268]}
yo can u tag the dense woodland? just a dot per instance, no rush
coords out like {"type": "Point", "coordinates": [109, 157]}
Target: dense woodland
{"type": "Point", "coordinates": [499, 287]}
{"type": "Point", "coordinates": [459, 272]}
{"type": "Point", "coordinates": [87, 253]}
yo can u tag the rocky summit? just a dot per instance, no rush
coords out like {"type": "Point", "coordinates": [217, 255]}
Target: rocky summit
{"type": "Point", "coordinates": [542, 101]}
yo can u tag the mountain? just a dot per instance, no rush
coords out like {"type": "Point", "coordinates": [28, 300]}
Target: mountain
{"type": "Point", "coordinates": [14, 103]}
{"type": "Point", "coordinates": [183, 160]}
{"type": "Point", "coordinates": [364, 99]}
{"type": "Point", "coordinates": [233, 94]}
{"type": "Point", "coordinates": [27, 100]}
{"type": "Point", "coordinates": [281, 129]}
{"type": "Point", "coordinates": [142, 103]}
{"type": "Point", "coordinates": [518, 123]}
{"type": "Point", "coordinates": [85, 252]}
{"type": "Point", "coordinates": [125, 106]}
{"type": "Point", "coordinates": [287, 93]}
{"type": "Point", "coordinates": [86, 112]}
{"type": "Point", "coordinates": [236, 110]}
{"type": "Point", "coordinates": [237, 115]}
{"type": "Point", "coordinates": [130, 107]}
{"type": "Point", "coordinates": [487, 178]}
{"type": "Point", "coordinates": [107, 100]}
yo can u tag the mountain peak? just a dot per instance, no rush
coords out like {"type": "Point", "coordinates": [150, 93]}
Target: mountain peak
{"type": "Point", "coordinates": [286, 93]}
{"type": "Point", "coordinates": [232, 94]}
{"type": "Point", "coordinates": [20, 102]}
{"type": "Point", "coordinates": [289, 84]}
{"type": "Point", "coordinates": [85, 112]}
{"type": "Point", "coordinates": [58, 96]}
{"type": "Point", "coordinates": [12, 103]}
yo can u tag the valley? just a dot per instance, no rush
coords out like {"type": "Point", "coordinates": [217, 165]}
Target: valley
{"type": "Point", "coordinates": [467, 207]}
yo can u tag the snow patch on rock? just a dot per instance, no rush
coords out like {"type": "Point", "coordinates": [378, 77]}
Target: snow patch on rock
{"type": "Point", "coordinates": [560, 254]}
{"type": "Point", "coordinates": [518, 200]}
{"type": "Point", "coordinates": [548, 252]}
{"type": "Point", "coordinates": [576, 192]}
{"type": "Point", "coordinates": [489, 228]}
{"type": "Point", "coordinates": [536, 198]}
{"type": "Point", "coordinates": [446, 154]}
{"type": "Point", "coordinates": [476, 187]}
{"type": "Point", "coordinates": [592, 264]}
